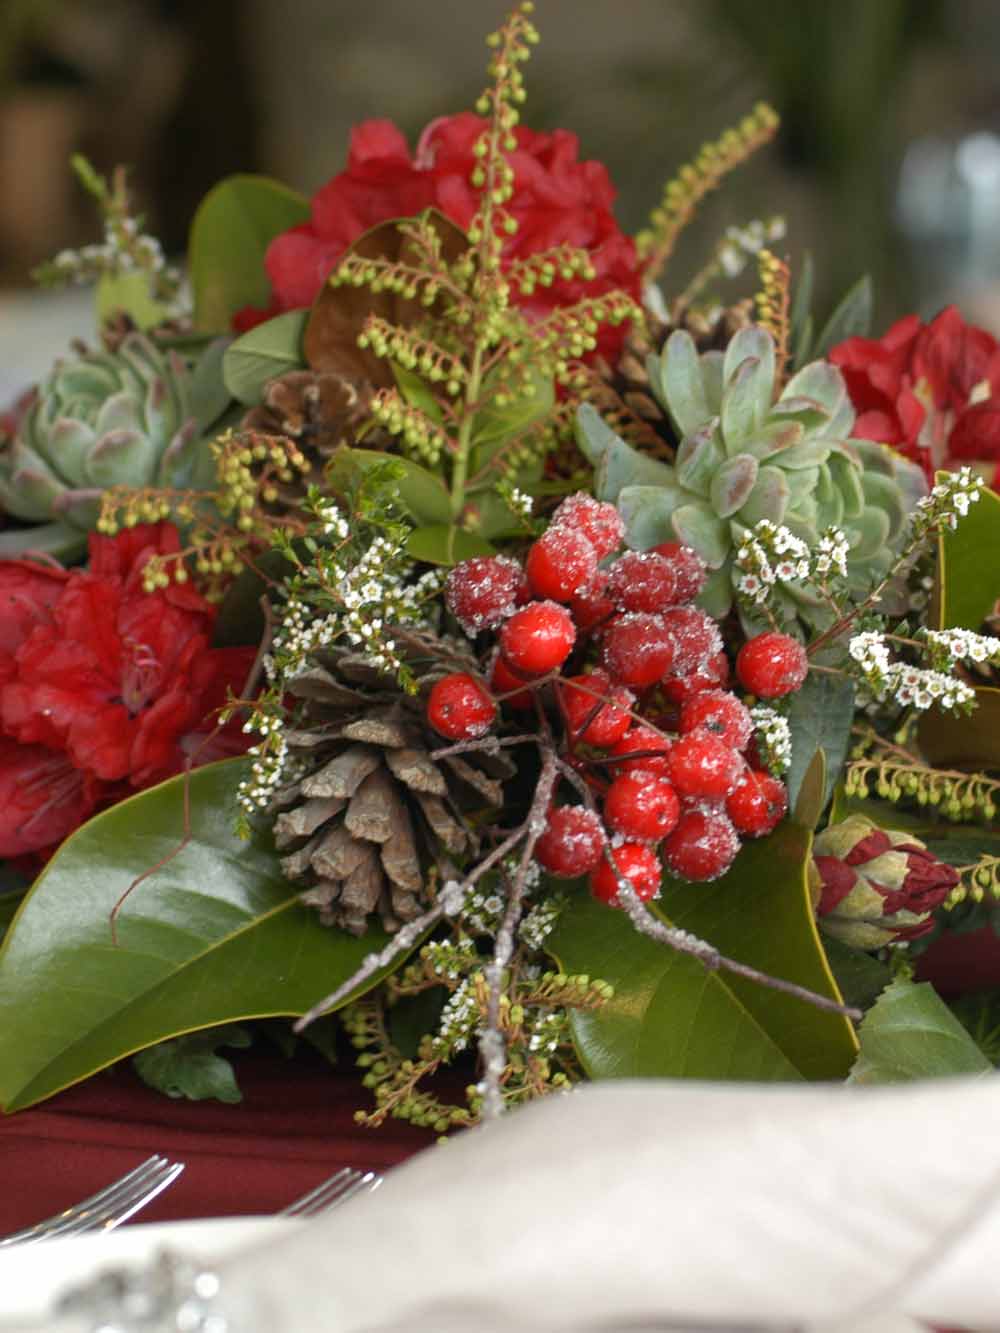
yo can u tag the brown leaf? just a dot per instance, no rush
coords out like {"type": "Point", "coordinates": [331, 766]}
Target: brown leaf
{"type": "Point", "coordinates": [360, 892]}
{"type": "Point", "coordinates": [344, 774]}
{"type": "Point", "coordinates": [322, 896]}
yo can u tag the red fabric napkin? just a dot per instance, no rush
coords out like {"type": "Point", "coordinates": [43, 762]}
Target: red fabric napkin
{"type": "Point", "coordinates": [294, 1127]}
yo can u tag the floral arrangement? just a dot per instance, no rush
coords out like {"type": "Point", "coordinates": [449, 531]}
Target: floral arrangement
{"type": "Point", "coordinates": [438, 633]}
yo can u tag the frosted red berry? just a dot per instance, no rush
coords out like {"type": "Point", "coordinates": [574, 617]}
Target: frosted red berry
{"type": "Point", "coordinates": [599, 521]}
{"type": "Point", "coordinates": [572, 842]}
{"type": "Point", "coordinates": [721, 714]}
{"type": "Point", "coordinates": [690, 571]}
{"type": "Point", "coordinates": [636, 863]}
{"type": "Point", "coordinates": [593, 606]}
{"type": "Point", "coordinates": [703, 767]}
{"type": "Point", "coordinates": [702, 847]}
{"type": "Point", "coordinates": [641, 806]}
{"type": "Point", "coordinates": [714, 672]}
{"type": "Point", "coordinates": [560, 564]}
{"type": "Point", "coordinates": [481, 592]}
{"type": "Point", "coordinates": [772, 665]}
{"type": "Point", "coordinates": [538, 638]}
{"type": "Point", "coordinates": [757, 804]}
{"type": "Point", "coordinates": [504, 681]}
{"type": "Point", "coordinates": [637, 650]}
{"type": "Point", "coordinates": [644, 749]}
{"type": "Point", "coordinates": [695, 636]}
{"type": "Point", "coordinates": [590, 720]}
{"type": "Point", "coordinates": [642, 581]}
{"type": "Point", "coordinates": [460, 707]}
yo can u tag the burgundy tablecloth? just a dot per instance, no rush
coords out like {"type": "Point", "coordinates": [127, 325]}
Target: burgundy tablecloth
{"type": "Point", "coordinates": [294, 1127]}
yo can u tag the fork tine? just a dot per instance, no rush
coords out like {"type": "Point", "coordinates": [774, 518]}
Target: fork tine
{"type": "Point", "coordinates": [109, 1206]}
{"type": "Point", "coordinates": [340, 1187]}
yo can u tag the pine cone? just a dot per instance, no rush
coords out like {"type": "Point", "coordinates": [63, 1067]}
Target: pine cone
{"type": "Point", "coordinates": [319, 411]}
{"type": "Point", "coordinates": [360, 826]}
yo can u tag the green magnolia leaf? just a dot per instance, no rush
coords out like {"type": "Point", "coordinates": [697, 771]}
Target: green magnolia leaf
{"type": "Point", "coordinates": [209, 395]}
{"type": "Point", "coordinates": [969, 566]}
{"type": "Point", "coordinates": [190, 1066]}
{"type": "Point", "coordinates": [979, 1014]}
{"type": "Point", "coordinates": [271, 349]}
{"type": "Point", "coordinates": [234, 224]}
{"type": "Point", "coordinates": [670, 1017]}
{"type": "Point", "coordinates": [820, 715]}
{"type": "Point", "coordinates": [969, 742]}
{"type": "Point", "coordinates": [911, 1033]}
{"type": "Point", "coordinates": [444, 544]}
{"type": "Point", "coordinates": [418, 393]}
{"type": "Point", "coordinates": [214, 935]}
{"type": "Point", "coordinates": [813, 792]}
{"type": "Point", "coordinates": [860, 977]}
{"type": "Point", "coordinates": [129, 294]}
{"type": "Point", "coordinates": [10, 901]}
{"type": "Point", "coordinates": [423, 493]}
{"type": "Point", "coordinates": [852, 318]}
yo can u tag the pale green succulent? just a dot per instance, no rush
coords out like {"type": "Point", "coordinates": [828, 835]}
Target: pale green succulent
{"type": "Point", "coordinates": [126, 417]}
{"type": "Point", "coordinates": [747, 455]}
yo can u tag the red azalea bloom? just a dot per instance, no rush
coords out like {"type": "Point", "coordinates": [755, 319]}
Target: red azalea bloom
{"type": "Point", "coordinates": [558, 200]}
{"type": "Point", "coordinates": [932, 391]}
{"type": "Point", "coordinates": [104, 688]}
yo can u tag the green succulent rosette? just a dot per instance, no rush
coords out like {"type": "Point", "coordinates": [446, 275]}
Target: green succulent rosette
{"type": "Point", "coordinates": [100, 418]}
{"type": "Point", "coordinates": [749, 452]}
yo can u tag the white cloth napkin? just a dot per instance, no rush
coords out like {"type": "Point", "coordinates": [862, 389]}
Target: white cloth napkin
{"type": "Point", "coordinates": [627, 1205]}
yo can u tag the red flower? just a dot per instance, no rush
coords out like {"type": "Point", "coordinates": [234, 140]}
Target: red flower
{"type": "Point", "coordinates": [929, 390]}
{"type": "Point", "coordinates": [104, 688]}
{"type": "Point", "coordinates": [558, 200]}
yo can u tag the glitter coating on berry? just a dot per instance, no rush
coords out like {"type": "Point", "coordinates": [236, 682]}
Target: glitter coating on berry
{"type": "Point", "coordinates": [637, 863]}
{"type": "Point", "coordinates": [702, 847]}
{"type": "Point", "coordinates": [719, 713]}
{"type": "Point", "coordinates": [704, 767]}
{"type": "Point", "coordinates": [695, 636]}
{"type": "Point", "coordinates": [460, 707]}
{"type": "Point", "coordinates": [593, 606]}
{"type": "Point", "coordinates": [590, 720]}
{"type": "Point", "coordinates": [757, 804]}
{"type": "Point", "coordinates": [560, 564]}
{"type": "Point", "coordinates": [637, 650]}
{"type": "Point", "coordinates": [572, 842]}
{"type": "Point", "coordinates": [643, 749]}
{"type": "Point", "coordinates": [642, 581]}
{"type": "Point", "coordinates": [481, 592]}
{"type": "Point", "coordinates": [772, 665]}
{"type": "Point", "coordinates": [599, 521]}
{"type": "Point", "coordinates": [690, 571]}
{"type": "Point", "coordinates": [538, 638]}
{"type": "Point", "coordinates": [715, 672]}
{"type": "Point", "coordinates": [641, 806]}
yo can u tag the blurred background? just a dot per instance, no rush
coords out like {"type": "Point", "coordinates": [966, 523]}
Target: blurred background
{"type": "Point", "coordinates": [888, 160]}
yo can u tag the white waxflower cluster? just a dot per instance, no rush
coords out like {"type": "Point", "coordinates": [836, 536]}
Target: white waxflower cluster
{"type": "Point", "coordinates": [124, 251]}
{"type": "Point", "coordinates": [830, 554]}
{"type": "Point", "coordinates": [539, 923]}
{"type": "Point", "coordinates": [483, 911]}
{"type": "Point", "coordinates": [947, 502]}
{"type": "Point", "coordinates": [740, 243]}
{"type": "Point", "coordinates": [458, 1022]}
{"type": "Point", "coordinates": [949, 646]}
{"type": "Point", "coordinates": [774, 738]}
{"type": "Point", "coordinates": [768, 555]}
{"type": "Point", "coordinates": [449, 959]}
{"type": "Point", "coordinates": [547, 1029]}
{"type": "Point", "coordinates": [520, 502]}
{"type": "Point", "coordinates": [908, 686]}
{"type": "Point", "coordinates": [334, 521]}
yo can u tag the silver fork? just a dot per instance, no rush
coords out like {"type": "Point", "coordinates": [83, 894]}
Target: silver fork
{"type": "Point", "coordinates": [341, 1186]}
{"type": "Point", "coordinates": [109, 1207]}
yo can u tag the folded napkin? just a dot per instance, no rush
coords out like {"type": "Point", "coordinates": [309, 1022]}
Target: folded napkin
{"type": "Point", "coordinates": [629, 1204]}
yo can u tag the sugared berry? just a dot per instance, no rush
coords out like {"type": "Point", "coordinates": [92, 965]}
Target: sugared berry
{"type": "Point", "coordinates": [772, 665]}
{"type": "Point", "coordinates": [642, 749]}
{"type": "Point", "coordinates": [504, 682]}
{"type": "Point", "coordinates": [460, 707]}
{"type": "Point", "coordinates": [757, 803]}
{"type": "Point", "coordinates": [690, 571]}
{"type": "Point", "coordinates": [590, 720]}
{"type": "Point", "coordinates": [703, 767]}
{"type": "Point", "coordinates": [702, 847]}
{"type": "Point", "coordinates": [641, 806]}
{"type": "Point", "coordinates": [721, 714]}
{"type": "Point", "coordinates": [695, 636]}
{"type": "Point", "coordinates": [593, 606]}
{"type": "Point", "coordinates": [560, 564]}
{"type": "Point", "coordinates": [572, 842]}
{"type": "Point", "coordinates": [538, 638]}
{"type": "Point", "coordinates": [481, 592]}
{"type": "Point", "coordinates": [642, 581]}
{"type": "Point", "coordinates": [637, 650]}
{"type": "Point", "coordinates": [714, 672]}
{"type": "Point", "coordinates": [636, 863]}
{"type": "Point", "coordinates": [599, 521]}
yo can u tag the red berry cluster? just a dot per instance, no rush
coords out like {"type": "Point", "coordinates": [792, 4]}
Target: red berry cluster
{"type": "Point", "coordinates": [649, 727]}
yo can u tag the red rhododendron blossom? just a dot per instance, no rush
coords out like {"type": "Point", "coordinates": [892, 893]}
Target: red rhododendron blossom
{"type": "Point", "coordinates": [558, 200]}
{"type": "Point", "coordinates": [104, 688]}
{"type": "Point", "coordinates": [932, 391]}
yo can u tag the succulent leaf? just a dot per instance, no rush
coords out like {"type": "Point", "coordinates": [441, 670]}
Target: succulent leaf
{"type": "Point", "coordinates": [733, 483]}
{"type": "Point", "coordinates": [679, 375]}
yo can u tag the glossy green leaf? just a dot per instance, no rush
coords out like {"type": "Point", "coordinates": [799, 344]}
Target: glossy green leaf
{"type": "Point", "coordinates": [911, 1033]}
{"type": "Point", "coordinates": [969, 566]}
{"type": "Point", "coordinates": [971, 741]}
{"type": "Point", "coordinates": [191, 1067]}
{"type": "Point", "coordinates": [860, 977]}
{"type": "Point", "coordinates": [209, 395]}
{"type": "Point", "coordinates": [820, 715]}
{"type": "Point", "coordinates": [852, 318]}
{"type": "Point", "coordinates": [271, 349]}
{"type": "Point", "coordinates": [423, 493]}
{"type": "Point", "coordinates": [441, 544]}
{"type": "Point", "coordinates": [670, 1017]}
{"type": "Point", "coordinates": [813, 792]}
{"type": "Point", "coordinates": [234, 224]}
{"type": "Point", "coordinates": [214, 935]}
